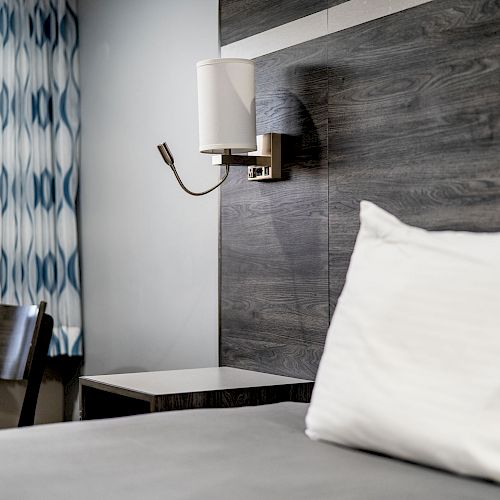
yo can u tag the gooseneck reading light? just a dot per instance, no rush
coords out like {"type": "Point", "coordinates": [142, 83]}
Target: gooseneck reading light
{"type": "Point", "coordinates": [169, 160]}
{"type": "Point", "coordinates": [226, 118]}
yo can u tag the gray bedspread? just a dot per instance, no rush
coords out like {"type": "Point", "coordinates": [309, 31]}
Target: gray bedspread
{"type": "Point", "coordinates": [243, 453]}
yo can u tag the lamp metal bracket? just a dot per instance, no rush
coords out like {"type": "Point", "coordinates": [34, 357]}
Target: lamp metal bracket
{"type": "Point", "coordinates": [263, 164]}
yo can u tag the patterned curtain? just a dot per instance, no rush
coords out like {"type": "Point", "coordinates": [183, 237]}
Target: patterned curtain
{"type": "Point", "coordinates": [39, 155]}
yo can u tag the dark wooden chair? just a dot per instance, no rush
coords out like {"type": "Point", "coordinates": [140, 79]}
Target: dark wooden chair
{"type": "Point", "coordinates": [25, 333]}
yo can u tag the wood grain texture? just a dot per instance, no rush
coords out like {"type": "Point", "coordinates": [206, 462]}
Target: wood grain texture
{"type": "Point", "coordinates": [414, 122]}
{"type": "Point", "coordinates": [242, 18]}
{"type": "Point", "coordinates": [233, 398]}
{"type": "Point", "coordinates": [333, 3]}
{"type": "Point", "coordinates": [107, 401]}
{"type": "Point", "coordinates": [274, 265]}
{"type": "Point", "coordinates": [413, 125]}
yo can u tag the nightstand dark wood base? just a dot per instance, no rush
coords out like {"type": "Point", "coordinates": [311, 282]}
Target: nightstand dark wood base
{"type": "Point", "coordinates": [120, 395]}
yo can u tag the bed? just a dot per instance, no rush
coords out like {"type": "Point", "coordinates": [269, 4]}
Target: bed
{"type": "Point", "coordinates": [409, 370]}
{"type": "Point", "coordinates": [244, 453]}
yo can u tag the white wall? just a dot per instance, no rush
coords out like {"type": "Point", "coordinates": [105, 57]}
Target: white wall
{"type": "Point", "coordinates": [149, 252]}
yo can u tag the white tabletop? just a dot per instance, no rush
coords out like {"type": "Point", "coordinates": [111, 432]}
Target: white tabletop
{"type": "Point", "coordinates": [191, 380]}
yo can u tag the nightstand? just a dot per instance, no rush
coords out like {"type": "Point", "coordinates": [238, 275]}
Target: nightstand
{"type": "Point", "coordinates": [124, 394]}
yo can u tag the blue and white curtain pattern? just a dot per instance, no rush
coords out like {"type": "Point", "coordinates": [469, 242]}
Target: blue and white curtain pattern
{"type": "Point", "coordinates": [39, 156]}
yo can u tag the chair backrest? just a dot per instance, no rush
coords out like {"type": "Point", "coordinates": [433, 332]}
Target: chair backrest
{"type": "Point", "coordinates": [25, 333]}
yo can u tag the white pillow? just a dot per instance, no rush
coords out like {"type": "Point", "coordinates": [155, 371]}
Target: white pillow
{"type": "Point", "coordinates": [411, 365]}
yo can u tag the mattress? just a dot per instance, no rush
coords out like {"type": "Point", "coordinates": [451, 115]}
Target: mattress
{"type": "Point", "coordinates": [241, 453]}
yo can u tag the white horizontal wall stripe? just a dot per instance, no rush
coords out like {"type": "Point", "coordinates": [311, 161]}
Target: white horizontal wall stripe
{"type": "Point", "coordinates": [355, 12]}
{"type": "Point", "coordinates": [292, 33]}
{"type": "Point", "coordinates": [343, 16]}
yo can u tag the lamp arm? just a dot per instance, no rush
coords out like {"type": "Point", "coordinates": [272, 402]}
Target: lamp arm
{"type": "Point", "coordinates": [193, 193]}
{"type": "Point", "coordinates": [169, 160]}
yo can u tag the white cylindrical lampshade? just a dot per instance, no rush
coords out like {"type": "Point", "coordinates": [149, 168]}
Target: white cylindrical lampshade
{"type": "Point", "coordinates": [226, 105]}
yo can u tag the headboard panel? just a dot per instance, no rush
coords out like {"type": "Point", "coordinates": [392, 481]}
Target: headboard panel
{"type": "Point", "coordinates": [403, 111]}
{"type": "Point", "coordinates": [414, 122]}
{"type": "Point", "coordinates": [274, 236]}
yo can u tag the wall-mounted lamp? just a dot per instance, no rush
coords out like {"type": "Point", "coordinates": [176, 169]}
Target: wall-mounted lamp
{"type": "Point", "coordinates": [226, 117]}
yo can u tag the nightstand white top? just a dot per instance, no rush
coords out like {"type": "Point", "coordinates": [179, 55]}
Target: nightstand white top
{"type": "Point", "coordinates": [190, 380]}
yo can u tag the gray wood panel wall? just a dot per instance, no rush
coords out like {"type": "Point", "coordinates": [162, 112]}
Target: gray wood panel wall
{"type": "Point", "coordinates": [403, 111]}
{"type": "Point", "coordinates": [243, 18]}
